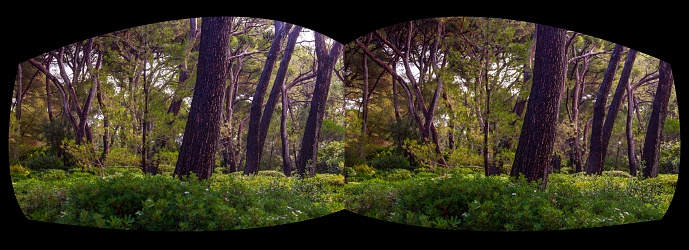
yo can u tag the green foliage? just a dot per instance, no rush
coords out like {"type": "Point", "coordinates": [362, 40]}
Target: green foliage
{"type": "Point", "coordinates": [669, 158]}
{"type": "Point", "coordinates": [617, 173]}
{"type": "Point", "coordinates": [471, 201]}
{"type": "Point", "coordinates": [54, 132]}
{"type": "Point", "coordinates": [387, 159]}
{"type": "Point", "coordinates": [129, 200]}
{"type": "Point", "coordinates": [330, 157]}
{"type": "Point", "coordinates": [49, 175]}
{"type": "Point", "coordinates": [43, 161]}
{"type": "Point", "coordinates": [17, 169]}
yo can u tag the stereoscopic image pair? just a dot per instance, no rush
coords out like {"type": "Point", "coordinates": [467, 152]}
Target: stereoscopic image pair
{"type": "Point", "coordinates": [450, 123]}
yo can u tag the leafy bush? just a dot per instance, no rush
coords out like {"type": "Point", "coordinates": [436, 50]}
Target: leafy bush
{"type": "Point", "coordinates": [364, 169]}
{"type": "Point", "coordinates": [127, 199]}
{"type": "Point", "coordinates": [388, 160]}
{"type": "Point", "coordinates": [40, 201]}
{"type": "Point", "coordinates": [49, 175]}
{"type": "Point", "coordinates": [471, 201]}
{"type": "Point", "coordinates": [395, 174]}
{"type": "Point", "coordinates": [617, 173]}
{"type": "Point", "coordinates": [331, 157]}
{"type": "Point", "coordinates": [17, 169]}
{"type": "Point", "coordinates": [669, 158]}
{"type": "Point", "coordinates": [43, 161]}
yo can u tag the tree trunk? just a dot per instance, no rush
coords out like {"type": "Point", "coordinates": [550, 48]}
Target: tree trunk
{"type": "Point", "coordinates": [540, 121]}
{"type": "Point", "coordinates": [106, 124]}
{"type": "Point", "coordinates": [18, 98]}
{"type": "Point", "coordinates": [594, 163]}
{"type": "Point", "coordinates": [654, 130]}
{"type": "Point", "coordinates": [197, 153]}
{"type": "Point", "coordinates": [274, 96]}
{"type": "Point", "coordinates": [286, 162]}
{"type": "Point", "coordinates": [309, 143]}
{"type": "Point", "coordinates": [252, 139]}
{"type": "Point", "coordinates": [616, 102]}
{"type": "Point", "coordinates": [628, 129]}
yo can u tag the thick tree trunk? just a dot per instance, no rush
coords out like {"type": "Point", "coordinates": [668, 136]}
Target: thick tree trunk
{"type": "Point", "coordinates": [197, 153]}
{"type": "Point", "coordinates": [252, 139]}
{"type": "Point", "coordinates": [654, 130]}
{"type": "Point", "coordinates": [309, 143]}
{"type": "Point", "coordinates": [540, 121]}
{"type": "Point", "coordinates": [594, 163]}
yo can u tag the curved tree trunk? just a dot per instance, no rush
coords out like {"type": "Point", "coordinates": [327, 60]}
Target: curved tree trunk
{"type": "Point", "coordinates": [274, 95]}
{"type": "Point", "coordinates": [594, 163]}
{"type": "Point", "coordinates": [616, 102]}
{"type": "Point", "coordinates": [309, 143]}
{"type": "Point", "coordinates": [252, 139]}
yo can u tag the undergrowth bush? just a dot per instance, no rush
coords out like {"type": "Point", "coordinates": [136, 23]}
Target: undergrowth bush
{"type": "Point", "coordinates": [466, 200]}
{"type": "Point", "coordinates": [127, 199]}
{"type": "Point", "coordinates": [43, 161]}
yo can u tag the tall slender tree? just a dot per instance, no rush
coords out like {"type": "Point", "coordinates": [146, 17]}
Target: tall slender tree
{"type": "Point", "coordinates": [252, 144]}
{"type": "Point", "coordinates": [616, 102]}
{"type": "Point", "coordinates": [197, 153]}
{"type": "Point", "coordinates": [594, 163]}
{"type": "Point", "coordinates": [278, 85]}
{"type": "Point", "coordinates": [654, 130]}
{"type": "Point", "coordinates": [541, 117]}
{"type": "Point", "coordinates": [309, 143]}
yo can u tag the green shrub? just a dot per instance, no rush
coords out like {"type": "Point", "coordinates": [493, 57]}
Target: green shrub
{"type": "Point", "coordinates": [43, 161]}
{"type": "Point", "coordinates": [127, 199]}
{"type": "Point", "coordinates": [49, 175]}
{"type": "Point", "coordinates": [470, 201]}
{"type": "Point", "coordinates": [395, 174]}
{"type": "Point", "coordinates": [363, 169]}
{"type": "Point", "coordinates": [617, 173]}
{"type": "Point", "coordinates": [271, 173]}
{"type": "Point", "coordinates": [39, 201]}
{"type": "Point", "coordinates": [387, 160]}
{"type": "Point", "coordinates": [17, 169]}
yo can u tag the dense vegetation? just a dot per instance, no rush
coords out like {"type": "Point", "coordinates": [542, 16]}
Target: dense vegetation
{"type": "Point", "coordinates": [128, 199]}
{"type": "Point", "coordinates": [459, 199]}
{"type": "Point", "coordinates": [463, 199]}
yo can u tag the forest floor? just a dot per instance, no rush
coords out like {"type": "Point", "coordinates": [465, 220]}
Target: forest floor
{"type": "Point", "coordinates": [457, 199]}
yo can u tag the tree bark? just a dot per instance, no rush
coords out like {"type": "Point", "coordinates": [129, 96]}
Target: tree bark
{"type": "Point", "coordinates": [309, 143]}
{"type": "Point", "coordinates": [616, 102]}
{"type": "Point", "coordinates": [540, 121]}
{"type": "Point", "coordinates": [286, 162]}
{"type": "Point", "coordinates": [197, 153]}
{"type": "Point", "coordinates": [628, 129]}
{"type": "Point", "coordinates": [18, 98]}
{"type": "Point", "coordinates": [274, 95]}
{"type": "Point", "coordinates": [594, 163]}
{"type": "Point", "coordinates": [364, 96]}
{"type": "Point", "coordinates": [654, 130]}
{"type": "Point", "coordinates": [252, 139]}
